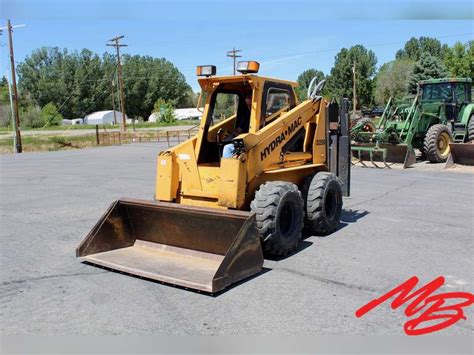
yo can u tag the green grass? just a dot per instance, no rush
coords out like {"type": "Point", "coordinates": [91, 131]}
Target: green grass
{"type": "Point", "coordinates": [129, 126]}
{"type": "Point", "coordinates": [48, 143]}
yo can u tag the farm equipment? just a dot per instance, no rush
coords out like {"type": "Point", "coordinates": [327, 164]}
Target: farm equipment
{"type": "Point", "coordinates": [361, 124]}
{"type": "Point", "coordinates": [217, 215]}
{"type": "Point", "coordinates": [462, 147]}
{"type": "Point", "coordinates": [439, 114]}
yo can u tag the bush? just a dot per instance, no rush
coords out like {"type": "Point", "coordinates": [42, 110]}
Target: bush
{"type": "Point", "coordinates": [50, 115]}
{"type": "Point", "coordinates": [5, 116]}
{"type": "Point", "coordinates": [31, 117]}
{"type": "Point", "coordinates": [164, 111]}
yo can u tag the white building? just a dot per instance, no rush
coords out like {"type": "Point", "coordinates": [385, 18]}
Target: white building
{"type": "Point", "coordinates": [180, 113]}
{"type": "Point", "coordinates": [73, 122]}
{"type": "Point", "coordinates": [104, 117]}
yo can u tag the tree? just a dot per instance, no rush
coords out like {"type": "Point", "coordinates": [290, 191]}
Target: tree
{"type": "Point", "coordinates": [459, 60]}
{"type": "Point", "coordinates": [304, 80]}
{"type": "Point", "coordinates": [189, 101]}
{"type": "Point", "coordinates": [50, 115]}
{"type": "Point", "coordinates": [428, 67]}
{"type": "Point", "coordinates": [79, 83]}
{"type": "Point", "coordinates": [87, 94]}
{"type": "Point", "coordinates": [147, 79]}
{"type": "Point", "coordinates": [48, 75]}
{"type": "Point", "coordinates": [164, 110]}
{"type": "Point", "coordinates": [415, 47]}
{"type": "Point", "coordinates": [392, 80]}
{"type": "Point", "coordinates": [340, 81]}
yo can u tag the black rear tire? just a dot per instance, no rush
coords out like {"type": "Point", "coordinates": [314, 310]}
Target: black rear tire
{"type": "Point", "coordinates": [436, 144]}
{"type": "Point", "coordinates": [323, 203]}
{"type": "Point", "coordinates": [278, 206]}
{"type": "Point", "coordinates": [470, 129]}
{"type": "Point", "coordinates": [366, 125]}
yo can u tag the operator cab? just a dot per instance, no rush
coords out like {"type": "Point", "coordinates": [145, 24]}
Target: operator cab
{"type": "Point", "coordinates": [228, 116]}
{"type": "Point", "coordinates": [237, 105]}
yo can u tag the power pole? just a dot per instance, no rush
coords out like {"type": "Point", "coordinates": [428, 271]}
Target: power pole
{"type": "Point", "coordinates": [113, 99]}
{"type": "Point", "coordinates": [354, 96]}
{"type": "Point", "coordinates": [233, 54]}
{"type": "Point", "coordinates": [12, 111]}
{"type": "Point", "coordinates": [14, 95]}
{"type": "Point", "coordinates": [117, 45]}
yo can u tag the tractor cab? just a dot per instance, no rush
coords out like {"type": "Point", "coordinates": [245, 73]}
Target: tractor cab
{"type": "Point", "coordinates": [446, 97]}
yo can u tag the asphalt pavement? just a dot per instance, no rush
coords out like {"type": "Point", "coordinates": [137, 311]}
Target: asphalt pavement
{"type": "Point", "coordinates": [397, 224]}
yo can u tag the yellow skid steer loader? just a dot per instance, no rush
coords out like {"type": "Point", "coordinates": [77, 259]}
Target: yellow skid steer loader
{"type": "Point", "coordinates": [262, 166]}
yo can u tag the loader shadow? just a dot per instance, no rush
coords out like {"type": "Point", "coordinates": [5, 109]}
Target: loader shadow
{"type": "Point", "coordinates": [302, 246]}
{"type": "Point", "coordinates": [351, 216]}
{"type": "Point", "coordinates": [215, 294]}
{"type": "Point", "coordinates": [347, 217]}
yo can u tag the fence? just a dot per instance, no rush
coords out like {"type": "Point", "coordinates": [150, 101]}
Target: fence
{"type": "Point", "coordinates": [171, 137]}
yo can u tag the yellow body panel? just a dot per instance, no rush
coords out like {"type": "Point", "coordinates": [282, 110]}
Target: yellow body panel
{"type": "Point", "coordinates": [189, 174]}
{"type": "Point", "coordinates": [210, 179]}
{"type": "Point", "coordinates": [232, 182]}
{"type": "Point", "coordinates": [167, 177]}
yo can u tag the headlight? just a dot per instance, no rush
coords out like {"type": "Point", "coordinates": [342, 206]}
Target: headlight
{"type": "Point", "coordinates": [206, 70]}
{"type": "Point", "coordinates": [248, 67]}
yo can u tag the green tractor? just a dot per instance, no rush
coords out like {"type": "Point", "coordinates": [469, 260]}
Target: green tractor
{"type": "Point", "coordinates": [439, 115]}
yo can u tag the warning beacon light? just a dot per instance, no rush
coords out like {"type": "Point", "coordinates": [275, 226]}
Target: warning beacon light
{"type": "Point", "coordinates": [248, 67]}
{"type": "Point", "coordinates": [206, 70]}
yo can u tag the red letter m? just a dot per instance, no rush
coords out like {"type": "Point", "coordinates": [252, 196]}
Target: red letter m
{"type": "Point", "coordinates": [420, 299]}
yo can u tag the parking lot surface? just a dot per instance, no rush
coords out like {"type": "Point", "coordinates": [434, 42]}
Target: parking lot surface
{"type": "Point", "coordinates": [397, 224]}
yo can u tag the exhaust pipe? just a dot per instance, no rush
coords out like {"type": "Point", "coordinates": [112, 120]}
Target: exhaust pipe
{"type": "Point", "coordinates": [200, 248]}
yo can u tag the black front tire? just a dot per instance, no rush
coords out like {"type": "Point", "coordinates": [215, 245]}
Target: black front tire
{"type": "Point", "coordinates": [278, 206]}
{"type": "Point", "coordinates": [323, 203]}
{"type": "Point", "coordinates": [435, 143]}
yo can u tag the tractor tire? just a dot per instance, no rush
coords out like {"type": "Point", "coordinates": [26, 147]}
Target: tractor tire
{"type": "Point", "coordinates": [436, 144]}
{"type": "Point", "coordinates": [279, 210]}
{"type": "Point", "coordinates": [323, 203]}
{"type": "Point", "coordinates": [367, 125]}
{"type": "Point", "coordinates": [470, 129]}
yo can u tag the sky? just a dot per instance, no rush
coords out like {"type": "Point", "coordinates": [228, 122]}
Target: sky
{"type": "Point", "coordinates": [286, 37]}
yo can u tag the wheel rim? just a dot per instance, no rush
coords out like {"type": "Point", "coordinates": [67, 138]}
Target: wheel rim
{"type": "Point", "coordinates": [330, 204]}
{"type": "Point", "coordinates": [368, 127]}
{"type": "Point", "coordinates": [443, 144]}
{"type": "Point", "coordinates": [286, 220]}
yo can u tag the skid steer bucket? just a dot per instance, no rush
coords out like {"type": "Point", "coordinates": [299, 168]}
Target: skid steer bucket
{"type": "Point", "coordinates": [460, 153]}
{"type": "Point", "coordinates": [385, 153]}
{"type": "Point", "coordinates": [199, 248]}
